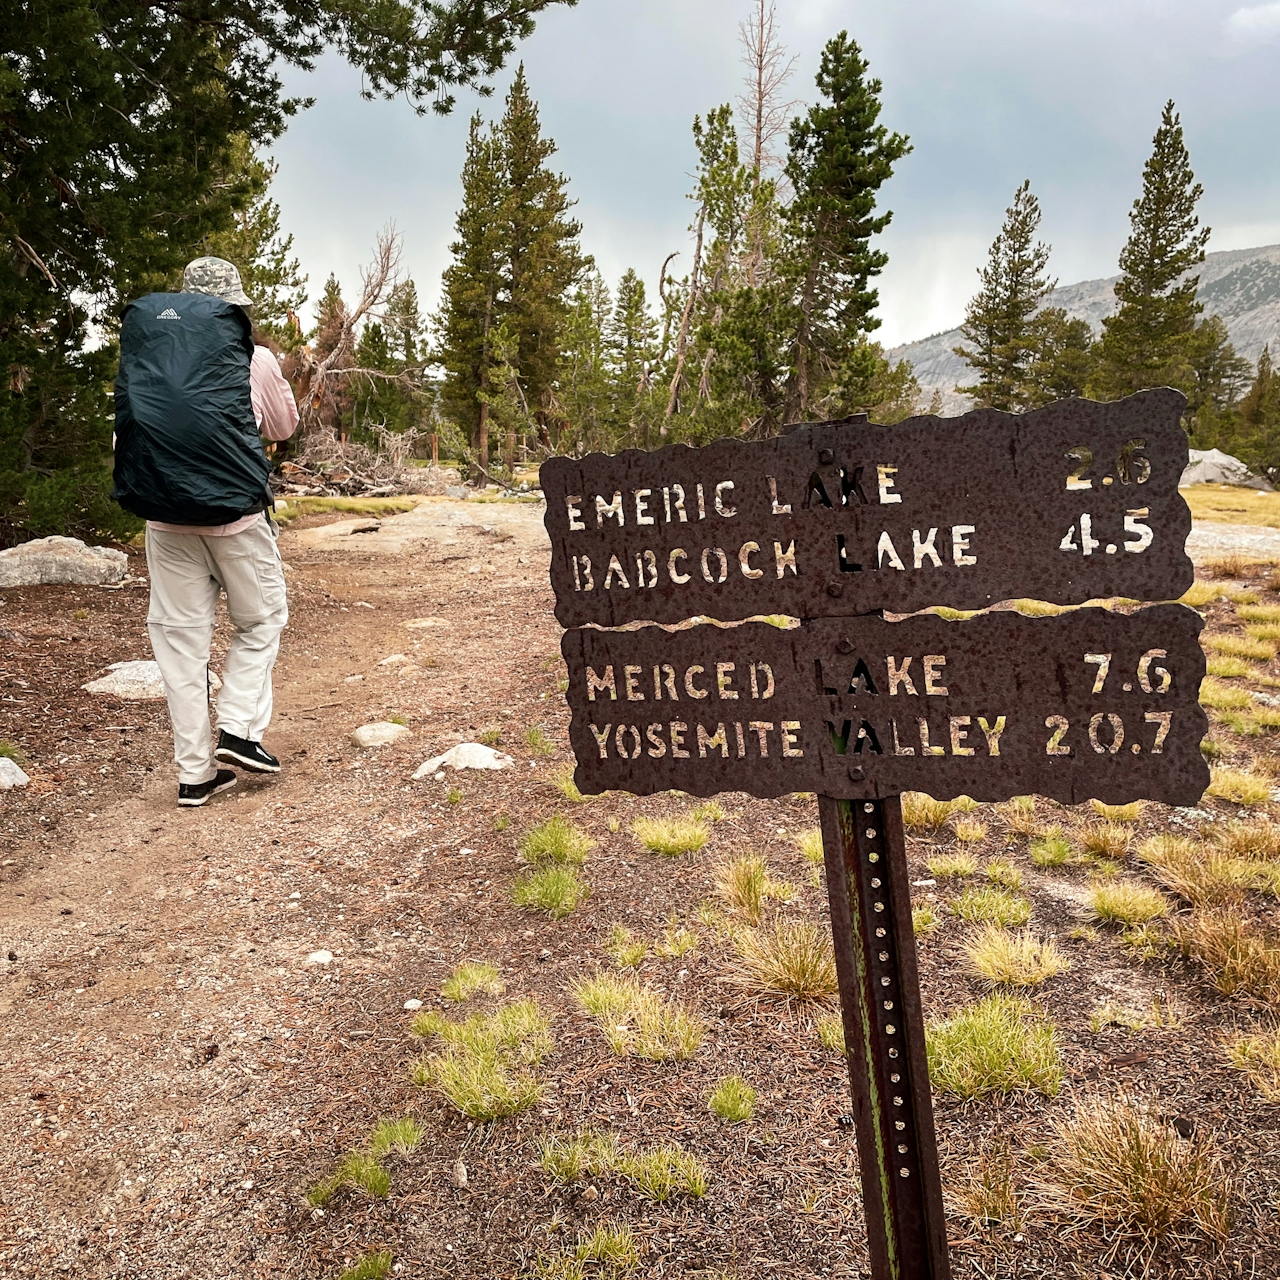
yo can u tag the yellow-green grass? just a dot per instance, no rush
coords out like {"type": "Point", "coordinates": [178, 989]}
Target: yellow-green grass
{"type": "Point", "coordinates": [657, 1173]}
{"type": "Point", "coordinates": [375, 1265]}
{"type": "Point", "coordinates": [745, 885]}
{"type": "Point", "coordinates": [924, 920]}
{"type": "Point", "coordinates": [1014, 959]}
{"type": "Point", "coordinates": [676, 940]}
{"type": "Point", "coordinates": [670, 837]}
{"type": "Point", "coordinates": [1258, 1056]}
{"type": "Point", "coordinates": [402, 1136]}
{"type": "Point", "coordinates": [970, 830]}
{"type": "Point", "coordinates": [356, 1169]}
{"type": "Point", "coordinates": [554, 890]}
{"type": "Point", "coordinates": [303, 506]}
{"type": "Point", "coordinates": [476, 1068]}
{"type": "Point", "coordinates": [556, 840]}
{"type": "Point", "coordinates": [1264, 613]}
{"type": "Point", "coordinates": [624, 948]}
{"type": "Point", "coordinates": [831, 1032]}
{"type": "Point", "coordinates": [1050, 849]}
{"type": "Point", "coordinates": [637, 1020]}
{"type": "Point", "coordinates": [1004, 874]}
{"type": "Point", "coordinates": [1230, 504]}
{"type": "Point", "coordinates": [536, 739]}
{"type": "Point", "coordinates": [1019, 815]}
{"type": "Point", "coordinates": [987, 904]}
{"type": "Point", "coordinates": [1208, 874]}
{"type": "Point", "coordinates": [609, 1250]}
{"type": "Point", "coordinates": [1118, 812]}
{"type": "Point", "coordinates": [1239, 787]}
{"type": "Point", "coordinates": [988, 1196]}
{"type": "Point", "coordinates": [474, 977]}
{"type": "Point", "coordinates": [998, 1045]}
{"type": "Point", "coordinates": [1237, 646]}
{"type": "Point", "coordinates": [952, 866]}
{"type": "Point", "coordinates": [1264, 634]}
{"type": "Point", "coordinates": [809, 844]}
{"type": "Point", "coordinates": [1126, 1169]}
{"type": "Point", "coordinates": [791, 958]}
{"type": "Point", "coordinates": [708, 811]}
{"type": "Point", "coordinates": [1225, 668]}
{"type": "Point", "coordinates": [733, 1099]}
{"type": "Point", "coordinates": [1105, 839]}
{"type": "Point", "coordinates": [923, 813]}
{"type": "Point", "coordinates": [1223, 697]}
{"type": "Point", "coordinates": [1127, 902]}
{"type": "Point", "coordinates": [589, 1152]}
{"type": "Point", "coordinates": [567, 787]}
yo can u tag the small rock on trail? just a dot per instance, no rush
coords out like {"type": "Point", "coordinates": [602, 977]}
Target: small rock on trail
{"type": "Point", "coordinates": [379, 734]}
{"type": "Point", "coordinates": [48, 561]}
{"type": "Point", "coordinates": [466, 755]}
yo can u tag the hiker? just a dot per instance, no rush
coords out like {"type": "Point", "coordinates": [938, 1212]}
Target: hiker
{"type": "Point", "coordinates": [192, 395]}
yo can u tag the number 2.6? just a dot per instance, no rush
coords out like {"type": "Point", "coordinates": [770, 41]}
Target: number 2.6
{"type": "Point", "coordinates": [1132, 466]}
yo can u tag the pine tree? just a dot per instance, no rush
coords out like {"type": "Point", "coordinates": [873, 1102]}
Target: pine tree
{"type": "Point", "coordinates": [1147, 343]}
{"type": "Point", "coordinates": [632, 335]}
{"type": "Point", "coordinates": [1258, 432]}
{"type": "Point", "coordinates": [584, 405]}
{"type": "Point", "coordinates": [998, 320]}
{"type": "Point", "coordinates": [542, 258]}
{"type": "Point", "coordinates": [403, 323]}
{"type": "Point", "coordinates": [838, 158]}
{"type": "Point", "coordinates": [1062, 357]}
{"type": "Point", "coordinates": [335, 411]}
{"type": "Point", "coordinates": [473, 286]}
{"type": "Point", "coordinates": [271, 275]}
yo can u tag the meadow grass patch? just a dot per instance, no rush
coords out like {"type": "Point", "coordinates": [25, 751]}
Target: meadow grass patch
{"type": "Point", "coordinates": [791, 958]}
{"type": "Point", "coordinates": [471, 978]}
{"type": "Point", "coordinates": [1239, 787]}
{"type": "Point", "coordinates": [1014, 959]}
{"type": "Point", "coordinates": [637, 1020]}
{"type": "Point", "coordinates": [984, 904]}
{"type": "Point", "coordinates": [1258, 1056]}
{"type": "Point", "coordinates": [733, 1099]}
{"type": "Point", "coordinates": [670, 837]}
{"type": "Point", "coordinates": [1237, 646]}
{"type": "Point", "coordinates": [745, 885]}
{"type": "Point", "coordinates": [1127, 902]}
{"type": "Point", "coordinates": [556, 840]}
{"type": "Point", "coordinates": [997, 1045]}
{"type": "Point", "coordinates": [554, 890]}
{"type": "Point", "coordinates": [952, 866]}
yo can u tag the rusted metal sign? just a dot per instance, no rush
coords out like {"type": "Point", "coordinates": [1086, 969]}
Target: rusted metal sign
{"type": "Point", "coordinates": [1074, 502]}
{"type": "Point", "coordinates": [1088, 704]}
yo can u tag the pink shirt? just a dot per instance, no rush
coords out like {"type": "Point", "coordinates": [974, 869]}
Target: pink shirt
{"type": "Point", "coordinates": [276, 413]}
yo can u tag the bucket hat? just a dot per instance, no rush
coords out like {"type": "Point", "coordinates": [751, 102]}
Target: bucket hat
{"type": "Point", "coordinates": [215, 276]}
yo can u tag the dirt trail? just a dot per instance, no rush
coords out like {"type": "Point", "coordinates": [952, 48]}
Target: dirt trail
{"type": "Point", "coordinates": [178, 1063]}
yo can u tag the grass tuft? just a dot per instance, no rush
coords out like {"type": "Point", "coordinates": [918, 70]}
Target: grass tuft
{"type": "Point", "coordinates": [587, 1152]}
{"type": "Point", "coordinates": [809, 843]}
{"type": "Point", "coordinates": [1237, 646]}
{"type": "Point", "coordinates": [831, 1032]}
{"type": "Point", "coordinates": [924, 920]}
{"type": "Point", "coordinates": [1227, 668]}
{"type": "Point", "coordinates": [733, 1099]}
{"type": "Point", "coordinates": [988, 1196]}
{"type": "Point", "coordinates": [554, 890]}
{"type": "Point", "coordinates": [1239, 787]}
{"type": "Point", "coordinates": [372, 1266]}
{"type": "Point", "coordinates": [624, 948]}
{"type": "Point", "coordinates": [922, 812]}
{"type": "Point", "coordinates": [401, 1136]}
{"type": "Point", "coordinates": [356, 1169]}
{"type": "Point", "coordinates": [1003, 873]}
{"type": "Point", "coordinates": [1014, 959]}
{"type": "Point", "coordinates": [539, 744]}
{"type": "Point", "coordinates": [472, 978]}
{"type": "Point", "coordinates": [952, 866]}
{"type": "Point", "coordinates": [664, 1171]}
{"type": "Point", "coordinates": [1050, 849]}
{"type": "Point", "coordinates": [563, 782]}
{"type": "Point", "coordinates": [1127, 902]}
{"type": "Point", "coordinates": [970, 830]}
{"type": "Point", "coordinates": [670, 836]}
{"type": "Point", "coordinates": [1106, 839]}
{"type": "Point", "coordinates": [746, 885]}
{"type": "Point", "coordinates": [474, 1071]}
{"type": "Point", "coordinates": [556, 840]}
{"type": "Point", "coordinates": [637, 1020]}
{"type": "Point", "coordinates": [994, 1046]}
{"type": "Point", "coordinates": [1118, 812]}
{"type": "Point", "coordinates": [1223, 697]}
{"type": "Point", "coordinates": [792, 958]}
{"type": "Point", "coordinates": [708, 811]}
{"type": "Point", "coordinates": [13, 752]}
{"type": "Point", "coordinates": [1239, 957]}
{"type": "Point", "coordinates": [1259, 1058]}
{"type": "Point", "coordinates": [996, 906]}
{"type": "Point", "coordinates": [1019, 815]}
{"type": "Point", "coordinates": [1120, 1166]}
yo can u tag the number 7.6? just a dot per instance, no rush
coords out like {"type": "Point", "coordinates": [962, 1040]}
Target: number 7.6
{"type": "Point", "coordinates": [1146, 669]}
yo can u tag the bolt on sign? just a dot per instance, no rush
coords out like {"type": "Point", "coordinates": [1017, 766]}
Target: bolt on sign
{"type": "Point", "coordinates": [829, 529]}
{"type": "Point", "coordinates": [1077, 501]}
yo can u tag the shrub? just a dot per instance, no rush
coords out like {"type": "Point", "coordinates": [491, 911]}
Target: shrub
{"type": "Point", "coordinates": [556, 840]}
{"type": "Point", "coordinates": [554, 890]}
{"type": "Point", "coordinates": [636, 1019]}
{"type": "Point", "coordinates": [472, 978]}
{"type": "Point", "coordinates": [733, 1099]}
{"type": "Point", "coordinates": [1014, 959]}
{"type": "Point", "coordinates": [793, 958]}
{"type": "Point", "coordinates": [670, 836]}
{"type": "Point", "coordinates": [994, 1046]}
{"type": "Point", "coordinates": [1120, 1166]}
{"type": "Point", "coordinates": [1127, 902]}
{"type": "Point", "coordinates": [998, 906]}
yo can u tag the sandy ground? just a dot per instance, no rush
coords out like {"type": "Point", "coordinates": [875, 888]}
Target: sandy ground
{"type": "Point", "coordinates": [179, 1061]}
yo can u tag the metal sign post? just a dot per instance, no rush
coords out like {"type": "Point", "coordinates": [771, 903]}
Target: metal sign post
{"type": "Point", "coordinates": [837, 523]}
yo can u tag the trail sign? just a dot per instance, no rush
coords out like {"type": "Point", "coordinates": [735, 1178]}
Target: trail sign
{"type": "Point", "coordinates": [836, 524]}
{"type": "Point", "coordinates": [1076, 501]}
{"type": "Point", "coordinates": [1088, 704]}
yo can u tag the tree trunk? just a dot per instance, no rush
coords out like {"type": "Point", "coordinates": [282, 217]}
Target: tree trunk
{"type": "Point", "coordinates": [483, 444]}
{"type": "Point", "coordinates": [682, 340]}
{"type": "Point", "coordinates": [509, 454]}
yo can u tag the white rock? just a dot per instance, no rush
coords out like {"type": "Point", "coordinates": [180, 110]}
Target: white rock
{"type": "Point", "coordinates": [61, 560]}
{"type": "Point", "coordinates": [421, 624]}
{"type": "Point", "coordinates": [136, 681]}
{"type": "Point", "coordinates": [393, 659]}
{"type": "Point", "coordinates": [320, 957]}
{"type": "Point", "coordinates": [466, 755]}
{"type": "Point", "coordinates": [10, 775]}
{"type": "Point", "coordinates": [379, 734]}
{"type": "Point", "coordinates": [413, 1005]}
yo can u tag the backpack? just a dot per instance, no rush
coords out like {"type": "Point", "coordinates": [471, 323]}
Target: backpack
{"type": "Point", "coordinates": [187, 444]}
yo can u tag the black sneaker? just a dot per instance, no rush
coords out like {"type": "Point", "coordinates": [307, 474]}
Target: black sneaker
{"type": "Point", "coordinates": [193, 794]}
{"type": "Point", "coordinates": [248, 755]}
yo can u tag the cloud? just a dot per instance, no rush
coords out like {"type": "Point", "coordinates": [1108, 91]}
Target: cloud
{"type": "Point", "coordinates": [1255, 23]}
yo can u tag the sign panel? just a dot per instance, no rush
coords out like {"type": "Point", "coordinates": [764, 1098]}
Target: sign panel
{"type": "Point", "coordinates": [1073, 502]}
{"type": "Point", "coordinates": [1088, 704]}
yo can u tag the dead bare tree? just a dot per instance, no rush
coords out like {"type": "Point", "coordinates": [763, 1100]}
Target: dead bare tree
{"type": "Point", "coordinates": [376, 283]}
{"type": "Point", "coordinates": [763, 108]}
{"type": "Point", "coordinates": [682, 337]}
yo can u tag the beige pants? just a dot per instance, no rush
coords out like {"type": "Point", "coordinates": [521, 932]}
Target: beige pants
{"type": "Point", "coordinates": [187, 572]}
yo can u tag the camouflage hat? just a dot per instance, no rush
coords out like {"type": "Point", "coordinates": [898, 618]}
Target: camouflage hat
{"type": "Point", "coordinates": [216, 276]}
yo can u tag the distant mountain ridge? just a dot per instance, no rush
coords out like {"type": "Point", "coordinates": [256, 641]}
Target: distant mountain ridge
{"type": "Point", "coordinates": [1240, 285]}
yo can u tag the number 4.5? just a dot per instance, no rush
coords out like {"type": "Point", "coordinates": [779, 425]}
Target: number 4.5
{"type": "Point", "coordinates": [1143, 537]}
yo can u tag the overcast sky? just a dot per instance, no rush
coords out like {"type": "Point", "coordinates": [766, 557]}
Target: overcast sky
{"type": "Point", "coordinates": [1064, 92]}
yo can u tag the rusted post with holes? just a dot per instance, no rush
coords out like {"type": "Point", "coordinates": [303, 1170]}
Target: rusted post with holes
{"type": "Point", "coordinates": [870, 894]}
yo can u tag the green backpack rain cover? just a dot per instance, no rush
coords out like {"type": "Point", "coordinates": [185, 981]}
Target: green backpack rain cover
{"type": "Point", "coordinates": [187, 444]}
